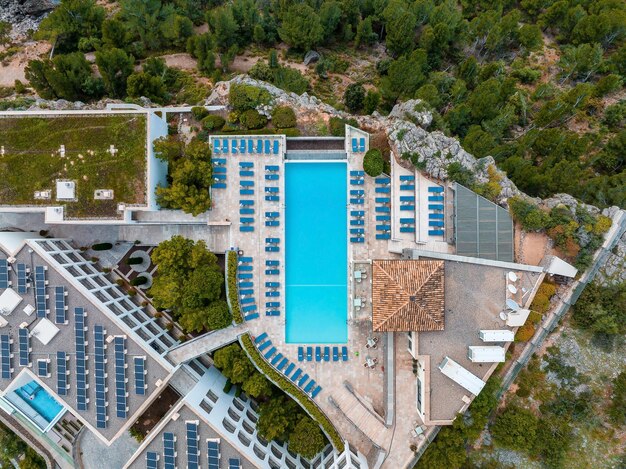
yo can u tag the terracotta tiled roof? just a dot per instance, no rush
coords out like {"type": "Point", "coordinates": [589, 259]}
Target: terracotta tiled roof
{"type": "Point", "coordinates": [408, 295]}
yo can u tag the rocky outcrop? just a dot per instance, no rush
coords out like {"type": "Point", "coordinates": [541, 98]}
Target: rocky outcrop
{"type": "Point", "coordinates": [26, 14]}
{"type": "Point", "coordinates": [414, 110]}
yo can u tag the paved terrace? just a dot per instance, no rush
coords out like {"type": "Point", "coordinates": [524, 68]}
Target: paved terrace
{"type": "Point", "coordinates": [64, 341]}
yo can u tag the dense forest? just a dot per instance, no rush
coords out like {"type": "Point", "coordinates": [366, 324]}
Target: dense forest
{"type": "Point", "coordinates": [537, 84]}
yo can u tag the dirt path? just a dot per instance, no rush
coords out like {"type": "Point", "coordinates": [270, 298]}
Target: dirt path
{"type": "Point", "coordinates": [14, 67]}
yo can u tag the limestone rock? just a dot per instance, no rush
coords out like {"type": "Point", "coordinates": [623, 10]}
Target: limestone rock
{"type": "Point", "coordinates": [414, 110]}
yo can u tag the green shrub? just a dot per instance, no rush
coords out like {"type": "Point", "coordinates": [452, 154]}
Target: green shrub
{"type": "Point", "coordinates": [244, 97]}
{"type": "Point", "coordinates": [373, 162]}
{"type": "Point", "coordinates": [547, 289]}
{"type": "Point", "coordinates": [102, 246]}
{"type": "Point", "coordinates": [293, 132]}
{"type": "Point", "coordinates": [515, 428]}
{"type": "Point", "coordinates": [213, 122]}
{"type": "Point", "coordinates": [337, 126]}
{"type": "Point", "coordinates": [354, 97]}
{"type": "Point", "coordinates": [295, 392]}
{"type": "Point", "coordinates": [228, 127]}
{"type": "Point", "coordinates": [199, 112]}
{"type": "Point", "coordinates": [283, 117]}
{"type": "Point", "coordinates": [531, 217]}
{"type": "Point", "coordinates": [534, 317]}
{"type": "Point", "coordinates": [134, 261]}
{"type": "Point", "coordinates": [251, 119]}
{"type": "Point", "coordinates": [233, 297]}
{"type": "Point", "coordinates": [139, 280]}
{"type": "Point", "coordinates": [227, 386]}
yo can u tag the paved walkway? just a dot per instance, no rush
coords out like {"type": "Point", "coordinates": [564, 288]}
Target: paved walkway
{"type": "Point", "coordinates": [206, 343]}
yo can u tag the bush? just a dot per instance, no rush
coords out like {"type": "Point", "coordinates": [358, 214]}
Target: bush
{"type": "Point", "coordinates": [199, 112]}
{"type": "Point", "coordinates": [233, 297]}
{"type": "Point", "coordinates": [283, 117]}
{"type": "Point", "coordinates": [534, 317]}
{"type": "Point", "coordinates": [525, 333]}
{"type": "Point", "coordinates": [531, 217]}
{"type": "Point", "coordinates": [213, 122]}
{"type": "Point", "coordinates": [373, 162]}
{"type": "Point", "coordinates": [251, 119]}
{"type": "Point", "coordinates": [354, 97]}
{"type": "Point", "coordinates": [337, 126]}
{"type": "Point", "coordinates": [291, 389]}
{"type": "Point", "coordinates": [244, 97]}
{"type": "Point", "coordinates": [541, 303]}
{"type": "Point", "coordinates": [515, 428]}
{"type": "Point", "coordinates": [139, 280]}
{"type": "Point", "coordinates": [102, 246]}
{"type": "Point", "coordinates": [134, 261]}
{"type": "Point", "coordinates": [546, 289]}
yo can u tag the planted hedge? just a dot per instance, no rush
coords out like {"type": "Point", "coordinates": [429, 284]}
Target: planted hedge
{"type": "Point", "coordinates": [231, 278]}
{"type": "Point", "coordinates": [293, 391]}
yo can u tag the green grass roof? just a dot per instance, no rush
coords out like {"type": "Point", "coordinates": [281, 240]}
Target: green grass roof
{"type": "Point", "coordinates": [32, 160]}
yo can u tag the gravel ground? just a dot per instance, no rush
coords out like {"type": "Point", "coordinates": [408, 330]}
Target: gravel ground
{"type": "Point", "coordinates": [96, 455]}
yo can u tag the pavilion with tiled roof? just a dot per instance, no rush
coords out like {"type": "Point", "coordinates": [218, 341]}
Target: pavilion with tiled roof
{"type": "Point", "coordinates": [408, 295]}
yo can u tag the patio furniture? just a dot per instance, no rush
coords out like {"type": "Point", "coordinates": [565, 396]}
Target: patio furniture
{"type": "Point", "coordinates": [309, 354]}
{"type": "Point", "coordinates": [300, 354]}
{"type": "Point", "coordinates": [335, 354]}
{"type": "Point", "coordinates": [372, 342]}
{"type": "Point", "coordinates": [318, 354]}
{"type": "Point", "coordinates": [344, 353]}
{"type": "Point", "coordinates": [326, 354]}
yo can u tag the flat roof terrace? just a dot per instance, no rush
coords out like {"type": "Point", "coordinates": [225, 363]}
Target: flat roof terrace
{"type": "Point", "coordinates": [65, 341]}
{"type": "Point", "coordinates": [96, 152]}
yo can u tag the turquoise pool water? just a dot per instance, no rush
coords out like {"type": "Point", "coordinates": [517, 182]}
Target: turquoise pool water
{"type": "Point", "coordinates": [316, 253]}
{"type": "Point", "coordinates": [39, 399]}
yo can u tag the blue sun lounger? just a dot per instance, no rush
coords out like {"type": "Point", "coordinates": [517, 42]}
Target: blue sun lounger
{"type": "Point", "coordinates": [272, 304]}
{"type": "Point", "coordinates": [382, 209]}
{"type": "Point", "coordinates": [407, 220]}
{"type": "Point", "coordinates": [355, 146]}
{"type": "Point", "coordinates": [272, 284]}
{"type": "Point", "coordinates": [249, 309]}
{"type": "Point", "coordinates": [271, 177]}
{"type": "Point", "coordinates": [250, 146]}
{"type": "Point", "coordinates": [219, 170]}
{"type": "Point", "coordinates": [252, 316]}
{"type": "Point", "coordinates": [357, 213]}
{"type": "Point", "coordinates": [272, 223]}
{"type": "Point", "coordinates": [407, 208]}
{"type": "Point", "coordinates": [270, 352]}
{"type": "Point", "coordinates": [272, 249]}
{"type": "Point", "coordinates": [357, 222]}
{"type": "Point", "coordinates": [246, 284]}
{"type": "Point", "coordinates": [289, 369]}
{"type": "Point", "coordinates": [383, 200]}
{"type": "Point", "coordinates": [272, 272]}
{"type": "Point", "coordinates": [435, 233]}
{"type": "Point", "coordinates": [272, 263]}
{"type": "Point", "coordinates": [359, 192]}
{"type": "Point", "coordinates": [276, 147]}
{"type": "Point", "coordinates": [357, 230]}
{"type": "Point", "coordinates": [277, 357]}
{"type": "Point", "coordinates": [316, 391]}
{"type": "Point", "coordinates": [246, 191]}
{"type": "Point", "coordinates": [309, 354]}
{"type": "Point", "coordinates": [407, 187]}
{"type": "Point", "coordinates": [407, 229]}
{"type": "Point", "coordinates": [383, 227]}
{"type": "Point", "coordinates": [326, 354]}
{"type": "Point", "coordinates": [318, 354]}
{"type": "Point", "coordinates": [344, 353]}
{"type": "Point", "coordinates": [309, 386]}
{"type": "Point", "coordinates": [435, 189]}
{"type": "Point", "coordinates": [435, 198]}
{"type": "Point", "coordinates": [246, 173]}
{"type": "Point", "coordinates": [435, 216]}
{"type": "Point", "coordinates": [233, 146]}
{"type": "Point", "coordinates": [246, 259]}
{"type": "Point", "coordinates": [246, 220]}
{"type": "Point", "coordinates": [407, 198]}
{"type": "Point", "coordinates": [249, 291]}
{"type": "Point", "coordinates": [383, 180]}
{"type": "Point", "coordinates": [216, 146]}
{"type": "Point", "coordinates": [245, 301]}
{"type": "Point", "coordinates": [383, 236]}
{"type": "Point", "coordinates": [264, 345]}
{"type": "Point", "coordinates": [246, 211]}
{"type": "Point", "coordinates": [224, 146]}
{"type": "Point", "coordinates": [357, 240]}
{"type": "Point", "coordinates": [246, 202]}
{"type": "Point", "coordinates": [300, 354]}
{"type": "Point", "coordinates": [259, 146]}
{"type": "Point", "coordinates": [244, 276]}
{"type": "Point", "coordinates": [335, 354]}
{"type": "Point", "coordinates": [219, 185]}
{"type": "Point", "coordinates": [383, 218]}
{"type": "Point", "coordinates": [362, 144]}
{"type": "Point", "coordinates": [268, 148]}
{"type": "Point", "coordinates": [303, 380]}
{"type": "Point", "coordinates": [295, 376]}
{"type": "Point", "coordinates": [260, 338]}
{"type": "Point", "coordinates": [406, 177]}
{"type": "Point", "coordinates": [272, 312]}
{"type": "Point", "coordinates": [282, 364]}
{"type": "Point", "coordinates": [272, 294]}
{"type": "Point", "coordinates": [435, 207]}
{"type": "Point", "coordinates": [356, 201]}
{"type": "Point", "coordinates": [272, 198]}
{"type": "Point", "coordinates": [242, 146]}
{"type": "Point", "coordinates": [435, 223]}
{"type": "Point", "coordinates": [219, 177]}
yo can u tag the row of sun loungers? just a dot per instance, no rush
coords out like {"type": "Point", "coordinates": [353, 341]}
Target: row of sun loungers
{"type": "Point", "coordinates": [383, 208]}
{"type": "Point", "coordinates": [357, 178]}
{"type": "Point", "coordinates": [436, 215]}
{"type": "Point", "coordinates": [219, 173]}
{"type": "Point", "coordinates": [323, 355]}
{"type": "Point", "coordinates": [245, 146]}
{"type": "Point", "coordinates": [357, 219]}
{"type": "Point", "coordinates": [282, 364]}
{"type": "Point", "coordinates": [246, 288]}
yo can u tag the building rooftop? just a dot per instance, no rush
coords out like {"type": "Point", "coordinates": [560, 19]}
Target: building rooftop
{"type": "Point", "coordinates": [75, 155]}
{"type": "Point", "coordinates": [58, 334]}
{"type": "Point", "coordinates": [408, 295]}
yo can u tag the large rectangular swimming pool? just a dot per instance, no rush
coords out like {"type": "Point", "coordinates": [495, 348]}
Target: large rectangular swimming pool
{"type": "Point", "coordinates": [316, 256]}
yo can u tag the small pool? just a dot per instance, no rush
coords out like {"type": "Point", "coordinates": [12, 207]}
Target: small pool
{"type": "Point", "coordinates": [316, 252]}
{"type": "Point", "coordinates": [39, 399]}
